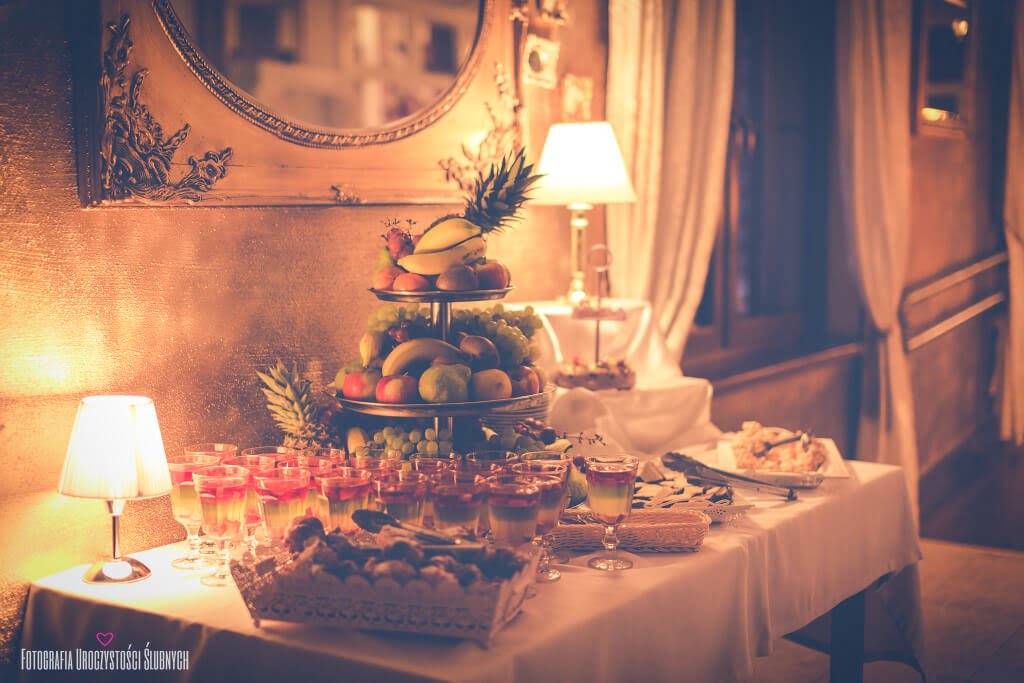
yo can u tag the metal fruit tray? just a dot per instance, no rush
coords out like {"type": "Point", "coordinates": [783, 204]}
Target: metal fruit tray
{"type": "Point", "coordinates": [438, 296]}
{"type": "Point", "coordinates": [464, 409]}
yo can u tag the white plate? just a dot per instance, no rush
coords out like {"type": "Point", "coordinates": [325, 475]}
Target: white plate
{"type": "Point", "coordinates": [834, 466]}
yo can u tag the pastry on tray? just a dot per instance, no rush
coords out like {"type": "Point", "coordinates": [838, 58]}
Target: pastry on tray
{"type": "Point", "coordinates": [596, 376]}
{"type": "Point", "coordinates": [776, 449]}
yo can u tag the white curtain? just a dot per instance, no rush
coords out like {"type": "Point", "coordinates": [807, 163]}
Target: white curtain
{"type": "Point", "coordinates": [669, 95]}
{"type": "Point", "coordinates": [1011, 395]}
{"type": "Point", "coordinates": [873, 156]}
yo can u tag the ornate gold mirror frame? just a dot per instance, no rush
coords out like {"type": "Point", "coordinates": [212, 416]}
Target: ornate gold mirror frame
{"type": "Point", "coordinates": [136, 74]}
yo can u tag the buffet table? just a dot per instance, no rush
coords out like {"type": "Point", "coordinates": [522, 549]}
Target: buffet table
{"type": "Point", "coordinates": [681, 617]}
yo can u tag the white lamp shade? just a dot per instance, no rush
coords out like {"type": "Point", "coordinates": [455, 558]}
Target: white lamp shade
{"type": "Point", "coordinates": [116, 451]}
{"type": "Point", "coordinates": [581, 164]}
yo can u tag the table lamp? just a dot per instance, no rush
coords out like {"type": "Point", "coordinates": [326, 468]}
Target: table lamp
{"type": "Point", "coordinates": [115, 454]}
{"type": "Point", "coordinates": [581, 165]}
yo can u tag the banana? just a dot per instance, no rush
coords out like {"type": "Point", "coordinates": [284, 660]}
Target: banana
{"type": "Point", "coordinates": [370, 346]}
{"type": "Point", "coordinates": [416, 351]}
{"type": "Point", "coordinates": [436, 262]}
{"type": "Point", "coordinates": [446, 234]}
{"type": "Point", "coordinates": [356, 437]}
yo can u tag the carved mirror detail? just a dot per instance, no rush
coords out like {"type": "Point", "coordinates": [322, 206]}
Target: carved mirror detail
{"type": "Point", "coordinates": [157, 124]}
{"type": "Point", "coordinates": [135, 156]}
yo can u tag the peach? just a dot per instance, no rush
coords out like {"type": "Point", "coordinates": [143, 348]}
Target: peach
{"type": "Point", "coordinates": [493, 275]}
{"type": "Point", "coordinates": [385, 277]}
{"type": "Point", "coordinates": [411, 282]}
{"type": "Point", "coordinates": [524, 381]}
{"type": "Point", "coordinates": [398, 389]}
{"type": "Point", "coordinates": [361, 386]}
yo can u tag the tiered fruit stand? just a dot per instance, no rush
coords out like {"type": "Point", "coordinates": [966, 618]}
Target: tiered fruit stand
{"type": "Point", "coordinates": [440, 322]}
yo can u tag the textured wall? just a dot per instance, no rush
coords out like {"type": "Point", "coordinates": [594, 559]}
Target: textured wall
{"type": "Point", "coordinates": [178, 304]}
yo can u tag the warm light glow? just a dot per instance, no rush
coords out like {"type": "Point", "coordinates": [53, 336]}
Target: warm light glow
{"type": "Point", "coordinates": [37, 358]}
{"type": "Point", "coordinates": [581, 163]}
{"type": "Point", "coordinates": [117, 570]}
{"type": "Point", "coordinates": [116, 451]}
{"type": "Point", "coordinates": [935, 115]}
{"type": "Point", "coordinates": [960, 28]}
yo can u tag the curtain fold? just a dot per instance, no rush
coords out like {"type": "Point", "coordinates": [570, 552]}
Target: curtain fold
{"type": "Point", "coordinates": [1011, 395]}
{"type": "Point", "coordinates": [873, 164]}
{"type": "Point", "coordinates": [669, 96]}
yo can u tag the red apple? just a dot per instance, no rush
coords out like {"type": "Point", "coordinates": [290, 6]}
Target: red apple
{"type": "Point", "coordinates": [398, 389]}
{"type": "Point", "coordinates": [524, 381]}
{"type": "Point", "coordinates": [361, 386]}
{"type": "Point", "coordinates": [493, 275]}
{"type": "Point", "coordinates": [411, 282]}
{"type": "Point", "coordinates": [385, 277]}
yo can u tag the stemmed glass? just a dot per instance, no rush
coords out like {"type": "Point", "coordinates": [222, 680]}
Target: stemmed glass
{"type": "Point", "coordinates": [610, 479]}
{"type": "Point", "coordinates": [282, 455]}
{"type": "Point", "coordinates": [185, 505]}
{"type": "Point", "coordinates": [402, 495]}
{"type": "Point", "coordinates": [513, 502]}
{"type": "Point", "coordinates": [344, 490]}
{"type": "Point", "coordinates": [282, 495]}
{"type": "Point", "coordinates": [254, 463]}
{"type": "Point", "coordinates": [552, 477]}
{"type": "Point", "coordinates": [224, 452]}
{"type": "Point", "coordinates": [221, 490]}
{"type": "Point", "coordinates": [458, 500]}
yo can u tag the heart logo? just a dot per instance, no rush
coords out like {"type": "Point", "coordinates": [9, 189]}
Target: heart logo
{"type": "Point", "coordinates": [105, 639]}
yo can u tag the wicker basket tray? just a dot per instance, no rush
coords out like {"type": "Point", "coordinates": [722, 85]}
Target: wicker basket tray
{"type": "Point", "coordinates": [302, 594]}
{"type": "Point", "coordinates": [646, 531]}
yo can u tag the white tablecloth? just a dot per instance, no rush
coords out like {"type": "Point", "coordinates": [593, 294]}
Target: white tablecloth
{"type": "Point", "coordinates": [664, 412]}
{"type": "Point", "coordinates": [678, 617]}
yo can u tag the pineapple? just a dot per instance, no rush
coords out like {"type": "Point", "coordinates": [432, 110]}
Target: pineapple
{"type": "Point", "coordinates": [495, 199]}
{"type": "Point", "coordinates": [291, 403]}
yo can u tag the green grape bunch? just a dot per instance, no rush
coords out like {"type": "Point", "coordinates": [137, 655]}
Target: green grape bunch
{"type": "Point", "coordinates": [511, 331]}
{"type": "Point", "coordinates": [399, 443]}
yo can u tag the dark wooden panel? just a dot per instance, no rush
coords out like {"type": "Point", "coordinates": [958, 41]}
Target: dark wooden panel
{"type": "Point", "coordinates": [819, 396]}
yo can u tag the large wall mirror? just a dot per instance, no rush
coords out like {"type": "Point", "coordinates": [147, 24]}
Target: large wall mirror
{"type": "Point", "coordinates": [271, 102]}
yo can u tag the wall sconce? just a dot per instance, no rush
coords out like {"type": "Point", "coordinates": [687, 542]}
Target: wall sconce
{"type": "Point", "coordinates": [581, 165]}
{"type": "Point", "coordinates": [115, 454]}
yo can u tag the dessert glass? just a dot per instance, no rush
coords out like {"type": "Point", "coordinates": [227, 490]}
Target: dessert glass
{"type": "Point", "coordinates": [513, 502]}
{"type": "Point", "coordinates": [344, 490]}
{"type": "Point", "coordinates": [185, 505]}
{"type": "Point", "coordinates": [610, 479]}
{"type": "Point", "coordinates": [221, 490]}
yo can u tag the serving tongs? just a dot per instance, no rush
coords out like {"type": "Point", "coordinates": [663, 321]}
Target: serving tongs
{"type": "Point", "coordinates": [699, 473]}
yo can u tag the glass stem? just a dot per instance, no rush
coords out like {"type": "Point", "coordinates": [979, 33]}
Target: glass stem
{"type": "Point", "coordinates": [544, 562]}
{"type": "Point", "coordinates": [224, 566]}
{"type": "Point", "coordinates": [610, 540]}
{"type": "Point", "coordinates": [194, 542]}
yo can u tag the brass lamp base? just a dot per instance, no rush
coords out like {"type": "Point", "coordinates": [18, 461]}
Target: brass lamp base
{"type": "Point", "coordinates": [122, 570]}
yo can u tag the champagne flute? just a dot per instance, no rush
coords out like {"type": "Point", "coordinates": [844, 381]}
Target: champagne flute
{"type": "Point", "coordinates": [552, 476]}
{"type": "Point", "coordinates": [185, 505]}
{"type": "Point", "coordinates": [610, 479]}
{"type": "Point", "coordinates": [221, 490]}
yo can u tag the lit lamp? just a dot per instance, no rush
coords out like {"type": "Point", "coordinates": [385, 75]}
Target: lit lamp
{"type": "Point", "coordinates": [115, 454]}
{"type": "Point", "coordinates": [581, 165]}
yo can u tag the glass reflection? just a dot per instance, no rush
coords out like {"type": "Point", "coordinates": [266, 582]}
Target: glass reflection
{"type": "Point", "coordinates": [348, 64]}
